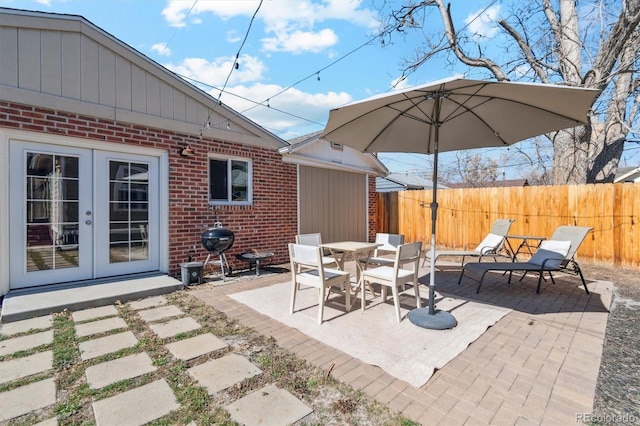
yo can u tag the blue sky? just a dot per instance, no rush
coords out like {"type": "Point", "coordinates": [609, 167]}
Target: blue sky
{"type": "Point", "coordinates": [296, 59]}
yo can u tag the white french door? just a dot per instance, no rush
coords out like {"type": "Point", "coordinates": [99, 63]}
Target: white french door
{"type": "Point", "coordinates": [127, 214]}
{"type": "Point", "coordinates": [80, 214]}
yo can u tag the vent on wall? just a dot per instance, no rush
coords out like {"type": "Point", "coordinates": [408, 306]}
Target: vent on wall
{"type": "Point", "coordinates": [336, 146]}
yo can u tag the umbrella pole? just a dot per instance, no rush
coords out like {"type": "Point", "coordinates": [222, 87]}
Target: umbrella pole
{"type": "Point", "coordinates": [432, 319]}
{"type": "Point", "coordinates": [434, 218]}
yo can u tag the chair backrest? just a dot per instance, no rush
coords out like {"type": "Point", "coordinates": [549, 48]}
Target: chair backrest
{"type": "Point", "coordinates": [575, 234]}
{"type": "Point", "coordinates": [408, 254]}
{"type": "Point", "coordinates": [304, 254]}
{"type": "Point", "coordinates": [551, 253]}
{"type": "Point", "coordinates": [390, 242]}
{"type": "Point", "coordinates": [501, 226]}
{"type": "Point", "coordinates": [309, 239]}
{"type": "Point", "coordinates": [492, 243]}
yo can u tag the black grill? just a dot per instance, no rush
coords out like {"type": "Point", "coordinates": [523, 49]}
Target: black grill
{"type": "Point", "coordinates": [217, 240]}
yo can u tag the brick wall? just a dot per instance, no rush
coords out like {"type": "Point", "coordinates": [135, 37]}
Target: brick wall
{"type": "Point", "coordinates": [269, 224]}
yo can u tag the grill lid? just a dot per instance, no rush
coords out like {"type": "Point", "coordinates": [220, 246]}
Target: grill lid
{"type": "Point", "coordinates": [217, 240]}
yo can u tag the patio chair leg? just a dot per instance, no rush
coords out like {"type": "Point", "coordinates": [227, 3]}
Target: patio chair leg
{"type": "Point", "coordinates": [347, 294]}
{"type": "Point", "coordinates": [480, 282]}
{"type": "Point", "coordinates": [396, 301]}
{"type": "Point", "coordinates": [321, 307]}
{"type": "Point", "coordinates": [539, 282]}
{"type": "Point", "coordinates": [293, 296]}
{"type": "Point", "coordinates": [551, 276]}
{"type": "Point", "coordinates": [579, 271]}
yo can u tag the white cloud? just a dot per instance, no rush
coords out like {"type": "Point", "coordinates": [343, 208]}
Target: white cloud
{"type": "Point", "coordinates": [161, 49]}
{"type": "Point", "coordinates": [301, 41]}
{"type": "Point", "coordinates": [215, 72]}
{"type": "Point", "coordinates": [292, 23]}
{"type": "Point", "coordinates": [483, 22]}
{"type": "Point", "coordinates": [309, 106]}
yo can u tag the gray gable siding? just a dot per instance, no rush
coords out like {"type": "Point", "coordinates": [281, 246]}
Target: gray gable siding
{"type": "Point", "coordinates": [66, 63]}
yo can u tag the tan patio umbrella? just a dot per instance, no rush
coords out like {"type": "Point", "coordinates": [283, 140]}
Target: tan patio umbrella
{"type": "Point", "coordinates": [455, 114]}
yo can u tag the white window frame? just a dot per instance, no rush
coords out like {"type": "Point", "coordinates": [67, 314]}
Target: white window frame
{"type": "Point", "coordinates": [229, 159]}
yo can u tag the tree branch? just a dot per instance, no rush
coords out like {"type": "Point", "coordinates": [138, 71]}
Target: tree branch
{"type": "Point", "coordinates": [526, 51]}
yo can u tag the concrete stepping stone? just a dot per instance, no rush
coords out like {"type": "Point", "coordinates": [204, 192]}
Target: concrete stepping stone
{"type": "Point", "coordinates": [106, 345]}
{"type": "Point", "coordinates": [162, 312]}
{"type": "Point", "coordinates": [100, 326]}
{"type": "Point", "coordinates": [26, 366]}
{"type": "Point", "coordinates": [93, 313]}
{"type": "Point", "coordinates": [37, 323]}
{"type": "Point", "coordinates": [137, 406]}
{"type": "Point", "coordinates": [193, 347]}
{"type": "Point", "coordinates": [268, 406]}
{"type": "Point", "coordinates": [25, 399]}
{"type": "Point", "coordinates": [174, 327]}
{"type": "Point", "coordinates": [25, 342]}
{"type": "Point", "coordinates": [128, 367]}
{"type": "Point", "coordinates": [221, 373]}
{"type": "Point", "coordinates": [149, 302]}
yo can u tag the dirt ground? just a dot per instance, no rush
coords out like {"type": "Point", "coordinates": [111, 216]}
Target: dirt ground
{"type": "Point", "coordinates": [617, 398]}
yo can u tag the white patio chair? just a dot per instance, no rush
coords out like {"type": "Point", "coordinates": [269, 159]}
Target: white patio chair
{"type": "Point", "coordinates": [390, 243]}
{"type": "Point", "coordinates": [404, 270]}
{"type": "Point", "coordinates": [492, 245]}
{"type": "Point", "coordinates": [307, 269]}
{"type": "Point", "coordinates": [314, 240]}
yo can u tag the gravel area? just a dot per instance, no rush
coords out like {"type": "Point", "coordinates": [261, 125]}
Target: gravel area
{"type": "Point", "coordinates": [617, 398]}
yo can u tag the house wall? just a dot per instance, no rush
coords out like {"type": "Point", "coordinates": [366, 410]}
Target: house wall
{"type": "Point", "coordinates": [63, 62]}
{"type": "Point", "coordinates": [333, 203]}
{"type": "Point", "coordinates": [270, 223]}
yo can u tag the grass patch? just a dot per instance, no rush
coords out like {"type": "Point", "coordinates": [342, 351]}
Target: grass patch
{"type": "Point", "coordinates": [333, 403]}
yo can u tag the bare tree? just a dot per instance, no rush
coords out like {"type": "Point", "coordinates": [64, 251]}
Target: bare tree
{"type": "Point", "coordinates": [595, 44]}
{"type": "Point", "coordinates": [472, 169]}
{"type": "Point", "coordinates": [533, 163]}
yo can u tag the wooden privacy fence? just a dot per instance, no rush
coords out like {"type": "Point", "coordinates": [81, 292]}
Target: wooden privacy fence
{"type": "Point", "coordinates": [465, 216]}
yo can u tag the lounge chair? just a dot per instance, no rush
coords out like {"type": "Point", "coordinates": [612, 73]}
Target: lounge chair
{"type": "Point", "coordinates": [553, 255]}
{"type": "Point", "coordinates": [492, 245]}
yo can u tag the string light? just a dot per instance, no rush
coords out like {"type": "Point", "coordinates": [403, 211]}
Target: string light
{"type": "Point", "coordinates": [235, 65]}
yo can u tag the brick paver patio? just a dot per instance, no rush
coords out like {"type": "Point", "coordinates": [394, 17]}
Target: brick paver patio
{"type": "Point", "coordinates": [538, 365]}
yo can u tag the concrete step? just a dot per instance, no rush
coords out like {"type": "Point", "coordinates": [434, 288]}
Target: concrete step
{"type": "Point", "coordinates": [27, 303]}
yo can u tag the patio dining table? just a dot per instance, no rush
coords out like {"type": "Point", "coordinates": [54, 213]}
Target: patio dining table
{"type": "Point", "coordinates": [358, 251]}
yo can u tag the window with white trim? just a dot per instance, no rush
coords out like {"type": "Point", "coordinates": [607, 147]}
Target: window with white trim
{"type": "Point", "coordinates": [230, 180]}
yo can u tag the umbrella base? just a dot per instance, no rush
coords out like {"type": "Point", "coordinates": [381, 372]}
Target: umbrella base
{"type": "Point", "coordinates": [440, 320]}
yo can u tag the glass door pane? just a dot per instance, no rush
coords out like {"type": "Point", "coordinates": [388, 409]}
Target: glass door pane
{"type": "Point", "coordinates": [52, 211]}
{"type": "Point", "coordinates": [128, 211]}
